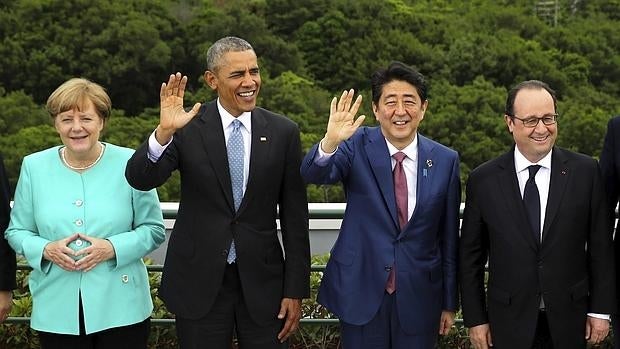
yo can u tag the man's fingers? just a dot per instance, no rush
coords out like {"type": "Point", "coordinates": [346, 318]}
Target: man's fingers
{"type": "Point", "coordinates": [342, 99]}
{"type": "Point", "coordinates": [356, 105]}
{"type": "Point", "coordinates": [194, 110]}
{"type": "Point", "coordinates": [359, 121]}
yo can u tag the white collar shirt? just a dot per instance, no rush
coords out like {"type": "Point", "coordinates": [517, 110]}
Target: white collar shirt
{"type": "Point", "coordinates": [246, 132]}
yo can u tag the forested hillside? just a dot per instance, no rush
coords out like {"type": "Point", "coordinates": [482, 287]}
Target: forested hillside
{"type": "Point", "coordinates": [310, 50]}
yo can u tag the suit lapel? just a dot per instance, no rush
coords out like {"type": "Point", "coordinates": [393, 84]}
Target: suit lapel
{"type": "Point", "coordinates": [509, 188]}
{"type": "Point", "coordinates": [557, 186]}
{"type": "Point", "coordinates": [215, 147]}
{"type": "Point", "coordinates": [381, 166]}
{"type": "Point", "coordinates": [261, 143]}
{"type": "Point", "coordinates": [424, 178]}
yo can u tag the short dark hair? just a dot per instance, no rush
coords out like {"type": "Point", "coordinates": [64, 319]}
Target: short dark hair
{"type": "Point", "coordinates": [223, 46]}
{"type": "Point", "coordinates": [529, 84]}
{"type": "Point", "coordinates": [401, 72]}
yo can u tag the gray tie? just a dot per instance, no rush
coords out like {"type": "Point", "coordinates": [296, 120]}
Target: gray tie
{"type": "Point", "coordinates": [235, 164]}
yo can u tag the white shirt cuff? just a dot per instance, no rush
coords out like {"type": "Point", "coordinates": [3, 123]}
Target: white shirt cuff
{"type": "Point", "coordinates": [155, 149]}
{"type": "Point", "coordinates": [599, 316]}
{"type": "Point", "coordinates": [322, 157]}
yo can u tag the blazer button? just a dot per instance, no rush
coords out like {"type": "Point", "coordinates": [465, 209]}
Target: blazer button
{"type": "Point", "coordinates": [78, 203]}
{"type": "Point", "coordinates": [388, 268]}
{"type": "Point", "coordinates": [78, 222]}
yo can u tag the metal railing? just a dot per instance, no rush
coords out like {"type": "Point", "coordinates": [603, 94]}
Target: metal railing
{"type": "Point", "coordinates": [169, 210]}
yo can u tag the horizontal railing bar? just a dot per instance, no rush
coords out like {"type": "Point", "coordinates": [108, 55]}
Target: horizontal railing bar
{"type": "Point", "coordinates": [169, 322]}
{"type": "Point", "coordinates": [159, 268]}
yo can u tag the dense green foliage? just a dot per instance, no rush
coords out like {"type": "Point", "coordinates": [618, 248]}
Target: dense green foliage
{"type": "Point", "coordinates": [309, 51]}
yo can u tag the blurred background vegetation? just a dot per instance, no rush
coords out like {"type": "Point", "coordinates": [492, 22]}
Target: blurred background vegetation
{"type": "Point", "coordinates": [472, 52]}
{"type": "Point", "coordinates": [309, 51]}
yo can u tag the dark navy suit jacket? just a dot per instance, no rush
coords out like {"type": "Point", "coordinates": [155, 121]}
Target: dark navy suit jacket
{"type": "Point", "coordinates": [370, 240]}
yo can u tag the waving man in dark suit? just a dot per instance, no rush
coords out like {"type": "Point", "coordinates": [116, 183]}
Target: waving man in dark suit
{"type": "Point", "coordinates": [225, 267]}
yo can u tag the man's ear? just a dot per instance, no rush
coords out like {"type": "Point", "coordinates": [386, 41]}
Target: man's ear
{"type": "Point", "coordinates": [509, 122]}
{"type": "Point", "coordinates": [211, 79]}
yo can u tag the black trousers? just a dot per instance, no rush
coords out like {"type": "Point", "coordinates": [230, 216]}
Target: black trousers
{"type": "Point", "coordinates": [542, 338]}
{"type": "Point", "coordinates": [228, 314]}
{"type": "Point", "coordinates": [134, 336]}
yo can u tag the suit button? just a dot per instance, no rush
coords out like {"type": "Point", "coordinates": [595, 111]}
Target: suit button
{"type": "Point", "coordinates": [225, 253]}
{"type": "Point", "coordinates": [388, 268]}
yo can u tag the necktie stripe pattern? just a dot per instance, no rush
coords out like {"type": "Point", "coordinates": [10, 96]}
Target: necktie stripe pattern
{"type": "Point", "coordinates": [401, 194]}
{"type": "Point", "coordinates": [235, 152]}
{"type": "Point", "coordinates": [400, 189]}
{"type": "Point", "coordinates": [531, 200]}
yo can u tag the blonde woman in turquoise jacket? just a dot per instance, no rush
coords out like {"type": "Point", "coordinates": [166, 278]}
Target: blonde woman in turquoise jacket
{"type": "Point", "coordinates": [84, 231]}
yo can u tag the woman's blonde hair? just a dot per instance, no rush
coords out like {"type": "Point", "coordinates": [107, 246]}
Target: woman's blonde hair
{"type": "Point", "coordinates": [75, 93]}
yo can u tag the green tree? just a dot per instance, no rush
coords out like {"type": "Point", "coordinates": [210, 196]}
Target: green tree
{"type": "Point", "coordinates": [123, 45]}
{"type": "Point", "coordinates": [26, 141]}
{"type": "Point", "coordinates": [18, 110]}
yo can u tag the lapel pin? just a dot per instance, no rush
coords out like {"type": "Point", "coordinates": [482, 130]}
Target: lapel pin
{"type": "Point", "coordinates": [263, 139]}
{"type": "Point", "coordinates": [563, 172]}
{"type": "Point", "coordinates": [429, 163]}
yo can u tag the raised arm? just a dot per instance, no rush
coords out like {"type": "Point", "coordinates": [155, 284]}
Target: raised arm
{"type": "Point", "coordinates": [342, 123]}
{"type": "Point", "coordinates": [172, 116]}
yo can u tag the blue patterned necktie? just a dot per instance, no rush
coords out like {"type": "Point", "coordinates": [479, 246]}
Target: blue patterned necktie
{"type": "Point", "coordinates": [235, 164]}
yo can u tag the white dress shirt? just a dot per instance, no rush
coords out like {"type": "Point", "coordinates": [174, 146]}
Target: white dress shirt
{"type": "Point", "coordinates": [542, 179]}
{"type": "Point", "coordinates": [410, 165]}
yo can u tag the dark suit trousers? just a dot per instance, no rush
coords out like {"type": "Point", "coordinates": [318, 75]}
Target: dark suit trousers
{"type": "Point", "coordinates": [384, 331]}
{"type": "Point", "coordinates": [215, 330]}
{"type": "Point", "coordinates": [542, 337]}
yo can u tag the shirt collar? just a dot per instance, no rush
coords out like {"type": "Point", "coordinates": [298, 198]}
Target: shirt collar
{"type": "Point", "coordinates": [521, 163]}
{"type": "Point", "coordinates": [227, 118]}
{"type": "Point", "coordinates": [411, 150]}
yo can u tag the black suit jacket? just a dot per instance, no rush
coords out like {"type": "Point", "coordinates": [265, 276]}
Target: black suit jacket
{"type": "Point", "coordinates": [610, 166]}
{"type": "Point", "coordinates": [206, 222]}
{"type": "Point", "coordinates": [572, 268]}
{"type": "Point", "coordinates": [7, 255]}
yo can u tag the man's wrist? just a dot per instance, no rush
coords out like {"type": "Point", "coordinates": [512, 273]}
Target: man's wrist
{"type": "Point", "coordinates": [328, 146]}
{"type": "Point", "coordinates": [163, 136]}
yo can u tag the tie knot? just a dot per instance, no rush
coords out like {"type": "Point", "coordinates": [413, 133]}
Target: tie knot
{"type": "Point", "coordinates": [400, 156]}
{"type": "Point", "coordinates": [236, 124]}
{"type": "Point", "coordinates": [533, 170]}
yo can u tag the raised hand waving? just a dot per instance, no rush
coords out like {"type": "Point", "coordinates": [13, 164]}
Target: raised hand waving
{"type": "Point", "coordinates": [172, 116]}
{"type": "Point", "coordinates": [342, 123]}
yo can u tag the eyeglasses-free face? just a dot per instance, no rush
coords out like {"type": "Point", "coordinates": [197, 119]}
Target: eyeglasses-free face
{"type": "Point", "coordinates": [532, 121]}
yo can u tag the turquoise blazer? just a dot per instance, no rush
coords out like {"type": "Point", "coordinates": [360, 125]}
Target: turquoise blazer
{"type": "Point", "coordinates": [53, 202]}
